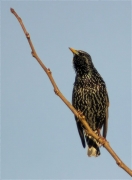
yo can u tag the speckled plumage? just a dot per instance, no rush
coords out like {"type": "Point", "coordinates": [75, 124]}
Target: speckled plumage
{"type": "Point", "coordinates": [90, 97]}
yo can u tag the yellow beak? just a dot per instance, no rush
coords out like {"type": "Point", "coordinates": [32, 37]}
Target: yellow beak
{"type": "Point", "coordinates": [74, 51]}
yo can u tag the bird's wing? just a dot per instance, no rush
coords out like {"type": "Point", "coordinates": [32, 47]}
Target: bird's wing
{"type": "Point", "coordinates": [79, 127]}
{"type": "Point", "coordinates": [105, 126]}
{"type": "Point", "coordinates": [80, 131]}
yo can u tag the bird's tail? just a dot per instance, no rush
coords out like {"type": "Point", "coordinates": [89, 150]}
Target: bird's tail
{"type": "Point", "coordinates": [93, 146]}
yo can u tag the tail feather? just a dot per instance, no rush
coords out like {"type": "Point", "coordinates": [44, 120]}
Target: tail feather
{"type": "Point", "coordinates": [93, 146]}
{"type": "Point", "coordinates": [93, 152]}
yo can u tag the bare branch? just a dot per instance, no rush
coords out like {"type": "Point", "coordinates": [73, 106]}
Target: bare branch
{"type": "Point", "coordinates": [75, 112]}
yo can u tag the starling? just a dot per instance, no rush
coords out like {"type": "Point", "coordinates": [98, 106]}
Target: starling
{"type": "Point", "coordinates": [89, 97]}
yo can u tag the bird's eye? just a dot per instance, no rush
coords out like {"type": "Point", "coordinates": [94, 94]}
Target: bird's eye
{"type": "Point", "coordinates": [81, 54]}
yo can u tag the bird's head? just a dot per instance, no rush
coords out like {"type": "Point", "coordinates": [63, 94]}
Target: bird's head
{"type": "Point", "coordinates": [82, 61]}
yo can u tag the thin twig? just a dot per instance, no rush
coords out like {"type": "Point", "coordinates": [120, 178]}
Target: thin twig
{"type": "Point", "coordinates": [75, 112]}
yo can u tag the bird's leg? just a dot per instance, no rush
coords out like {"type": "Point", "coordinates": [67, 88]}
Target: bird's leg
{"type": "Point", "coordinates": [98, 131]}
{"type": "Point", "coordinates": [101, 137]}
{"type": "Point", "coordinates": [103, 140]}
{"type": "Point", "coordinates": [79, 113]}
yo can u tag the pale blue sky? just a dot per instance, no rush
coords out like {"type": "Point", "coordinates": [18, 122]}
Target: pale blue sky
{"type": "Point", "coordinates": [39, 137]}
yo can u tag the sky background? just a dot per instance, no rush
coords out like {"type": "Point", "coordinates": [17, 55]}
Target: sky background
{"type": "Point", "coordinates": [39, 138]}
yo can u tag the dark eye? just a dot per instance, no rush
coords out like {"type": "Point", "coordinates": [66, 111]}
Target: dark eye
{"type": "Point", "coordinates": [81, 54]}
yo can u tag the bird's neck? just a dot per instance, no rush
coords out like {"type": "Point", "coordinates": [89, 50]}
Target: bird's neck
{"type": "Point", "coordinates": [87, 73]}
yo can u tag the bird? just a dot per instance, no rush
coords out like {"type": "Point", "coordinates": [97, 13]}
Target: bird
{"type": "Point", "coordinates": [90, 97]}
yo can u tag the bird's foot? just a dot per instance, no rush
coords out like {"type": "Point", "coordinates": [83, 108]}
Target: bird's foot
{"type": "Point", "coordinates": [80, 113]}
{"type": "Point", "coordinates": [103, 140]}
{"type": "Point", "coordinates": [100, 137]}
{"type": "Point", "coordinates": [98, 131]}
